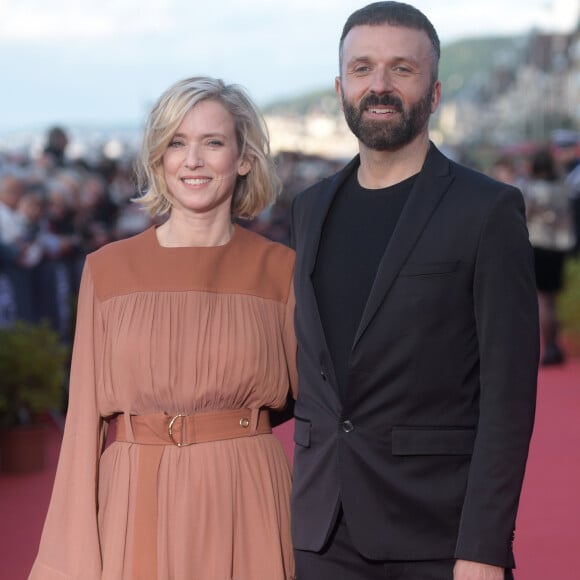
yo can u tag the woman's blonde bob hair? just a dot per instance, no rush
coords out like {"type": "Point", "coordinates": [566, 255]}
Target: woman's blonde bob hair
{"type": "Point", "coordinates": [254, 192]}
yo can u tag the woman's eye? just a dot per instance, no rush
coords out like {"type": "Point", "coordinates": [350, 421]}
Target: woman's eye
{"type": "Point", "coordinates": [175, 143]}
{"type": "Point", "coordinates": [215, 143]}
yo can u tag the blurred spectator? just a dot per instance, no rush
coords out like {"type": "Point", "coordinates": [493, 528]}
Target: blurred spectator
{"type": "Point", "coordinates": [573, 186]}
{"type": "Point", "coordinates": [29, 213]}
{"type": "Point", "coordinates": [96, 215]}
{"type": "Point", "coordinates": [506, 170]}
{"type": "Point", "coordinates": [61, 217]}
{"type": "Point", "coordinates": [55, 149]}
{"type": "Point", "coordinates": [11, 190]}
{"type": "Point", "coordinates": [566, 146]}
{"type": "Point", "coordinates": [552, 237]}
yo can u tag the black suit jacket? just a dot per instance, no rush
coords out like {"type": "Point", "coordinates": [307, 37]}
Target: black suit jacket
{"type": "Point", "coordinates": [426, 449]}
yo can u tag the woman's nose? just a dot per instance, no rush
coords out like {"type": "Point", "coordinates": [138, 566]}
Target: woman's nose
{"type": "Point", "coordinates": [193, 159]}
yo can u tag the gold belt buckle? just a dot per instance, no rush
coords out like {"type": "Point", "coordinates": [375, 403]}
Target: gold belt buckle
{"type": "Point", "coordinates": [170, 431]}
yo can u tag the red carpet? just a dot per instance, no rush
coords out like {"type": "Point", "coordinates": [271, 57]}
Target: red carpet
{"type": "Point", "coordinates": [547, 543]}
{"type": "Point", "coordinates": [548, 530]}
{"type": "Point", "coordinates": [23, 503]}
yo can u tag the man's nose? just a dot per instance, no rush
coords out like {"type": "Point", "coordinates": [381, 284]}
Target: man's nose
{"type": "Point", "coordinates": [381, 81]}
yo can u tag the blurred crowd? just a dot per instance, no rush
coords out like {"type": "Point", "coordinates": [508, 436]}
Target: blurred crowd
{"type": "Point", "coordinates": [52, 207]}
{"type": "Point", "coordinates": [54, 210]}
{"type": "Point", "coordinates": [549, 177]}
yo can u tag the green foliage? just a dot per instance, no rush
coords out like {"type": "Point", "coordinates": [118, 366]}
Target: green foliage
{"type": "Point", "coordinates": [32, 371]}
{"type": "Point", "coordinates": [569, 299]}
{"type": "Point", "coordinates": [324, 100]}
{"type": "Point", "coordinates": [467, 64]}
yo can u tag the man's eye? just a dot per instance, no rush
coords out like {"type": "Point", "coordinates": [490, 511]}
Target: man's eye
{"type": "Point", "coordinates": [362, 69]}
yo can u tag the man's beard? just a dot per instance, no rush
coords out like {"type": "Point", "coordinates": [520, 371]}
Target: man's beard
{"type": "Point", "coordinates": [388, 135]}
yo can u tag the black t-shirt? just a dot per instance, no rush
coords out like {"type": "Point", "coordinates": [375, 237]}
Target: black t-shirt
{"type": "Point", "coordinates": [355, 234]}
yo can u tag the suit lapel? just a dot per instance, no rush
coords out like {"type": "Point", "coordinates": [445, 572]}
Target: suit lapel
{"type": "Point", "coordinates": [312, 233]}
{"type": "Point", "coordinates": [430, 186]}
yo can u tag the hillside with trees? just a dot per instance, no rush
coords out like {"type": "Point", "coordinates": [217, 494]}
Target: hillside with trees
{"type": "Point", "coordinates": [465, 65]}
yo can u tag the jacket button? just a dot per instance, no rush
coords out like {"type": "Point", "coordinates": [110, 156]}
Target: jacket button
{"type": "Point", "coordinates": [347, 426]}
{"type": "Point", "coordinates": [323, 375]}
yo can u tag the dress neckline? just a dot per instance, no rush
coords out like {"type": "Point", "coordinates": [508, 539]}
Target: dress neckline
{"type": "Point", "coordinates": [152, 234]}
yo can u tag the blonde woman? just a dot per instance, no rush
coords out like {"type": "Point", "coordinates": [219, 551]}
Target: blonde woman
{"type": "Point", "coordinates": [184, 342]}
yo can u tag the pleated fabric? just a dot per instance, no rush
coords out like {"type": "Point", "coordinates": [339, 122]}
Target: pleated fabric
{"type": "Point", "coordinates": [176, 330]}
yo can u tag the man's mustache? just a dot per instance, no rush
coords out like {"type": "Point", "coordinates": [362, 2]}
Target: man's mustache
{"type": "Point", "coordinates": [373, 100]}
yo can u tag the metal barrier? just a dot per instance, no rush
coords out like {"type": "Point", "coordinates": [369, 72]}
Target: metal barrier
{"type": "Point", "coordinates": [45, 291]}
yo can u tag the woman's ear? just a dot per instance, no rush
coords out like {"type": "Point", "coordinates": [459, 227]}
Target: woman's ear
{"type": "Point", "coordinates": [244, 166]}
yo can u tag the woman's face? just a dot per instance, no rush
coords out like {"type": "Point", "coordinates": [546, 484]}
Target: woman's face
{"type": "Point", "coordinates": [202, 163]}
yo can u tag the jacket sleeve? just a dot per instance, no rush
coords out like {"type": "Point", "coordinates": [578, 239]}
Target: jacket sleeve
{"type": "Point", "coordinates": [506, 315]}
{"type": "Point", "coordinates": [69, 546]}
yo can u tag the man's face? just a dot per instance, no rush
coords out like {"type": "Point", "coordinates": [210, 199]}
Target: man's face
{"type": "Point", "coordinates": [386, 88]}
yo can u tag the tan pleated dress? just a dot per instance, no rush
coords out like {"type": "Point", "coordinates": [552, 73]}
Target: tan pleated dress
{"type": "Point", "coordinates": [175, 330]}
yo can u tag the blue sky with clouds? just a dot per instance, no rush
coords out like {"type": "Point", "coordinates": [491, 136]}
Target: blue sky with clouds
{"type": "Point", "coordinates": [103, 62]}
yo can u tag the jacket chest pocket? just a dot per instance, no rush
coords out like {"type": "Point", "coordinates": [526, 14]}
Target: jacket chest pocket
{"type": "Point", "coordinates": [429, 270]}
{"type": "Point", "coordinates": [430, 292]}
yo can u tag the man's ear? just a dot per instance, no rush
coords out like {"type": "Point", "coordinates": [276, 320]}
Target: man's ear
{"type": "Point", "coordinates": [338, 90]}
{"type": "Point", "coordinates": [436, 98]}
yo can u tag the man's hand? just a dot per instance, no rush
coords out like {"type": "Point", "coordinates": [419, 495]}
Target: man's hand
{"type": "Point", "coordinates": [466, 570]}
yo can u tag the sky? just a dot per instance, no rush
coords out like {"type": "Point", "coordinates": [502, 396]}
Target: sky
{"type": "Point", "coordinates": [105, 62]}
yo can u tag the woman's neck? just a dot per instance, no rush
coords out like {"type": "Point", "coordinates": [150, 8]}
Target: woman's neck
{"type": "Point", "coordinates": [189, 232]}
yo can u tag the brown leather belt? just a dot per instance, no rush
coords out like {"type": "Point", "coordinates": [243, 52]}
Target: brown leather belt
{"type": "Point", "coordinates": [184, 430]}
{"type": "Point", "coordinates": [153, 433]}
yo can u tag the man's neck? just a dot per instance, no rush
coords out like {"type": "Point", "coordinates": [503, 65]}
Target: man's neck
{"type": "Point", "coordinates": [379, 169]}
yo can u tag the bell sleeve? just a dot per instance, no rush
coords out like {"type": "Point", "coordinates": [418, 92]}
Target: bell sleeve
{"type": "Point", "coordinates": [69, 546]}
